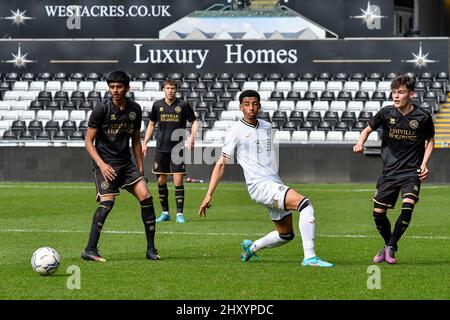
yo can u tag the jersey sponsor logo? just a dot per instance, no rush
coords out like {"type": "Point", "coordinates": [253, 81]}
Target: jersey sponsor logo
{"type": "Point", "coordinates": [132, 116]}
{"type": "Point", "coordinates": [414, 124]}
{"type": "Point", "coordinates": [104, 184]}
{"type": "Point", "coordinates": [177, 109]}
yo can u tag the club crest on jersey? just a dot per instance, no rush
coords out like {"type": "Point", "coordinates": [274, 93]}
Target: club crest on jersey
{"type": "Point", "coordinates": [104, 184]}
{"type": "Point", "coordinates": [113, 117]}
{"type": "Point", "coordinates": [177, 109]}
{"type": "Point", "coordinates": [414, 124]}
{"type": "Point", "coordinates": [392, 121]}
{"type": "Point", "coordinates": [161, 109]}
{"type": "Point", "coordinates": [132, 116]}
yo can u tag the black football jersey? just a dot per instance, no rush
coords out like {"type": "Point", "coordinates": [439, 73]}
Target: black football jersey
{"type": "Point", "coordinates": [170, 118]}
{"type": "Point", "coordinates": [114, 130]}
{"type": "Point", "coordinates": [403, 139]}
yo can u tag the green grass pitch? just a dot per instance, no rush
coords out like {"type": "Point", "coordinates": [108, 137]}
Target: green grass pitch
{"type": "Point", "coordinates": [200, 259]}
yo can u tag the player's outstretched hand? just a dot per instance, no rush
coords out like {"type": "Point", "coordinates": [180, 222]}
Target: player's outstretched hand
{"type": "Point", "coordinates": [206, 204]}
{"type": "Point", "coordinates": [424, 171]}
{"type": "Point", "coordinates": [357, 148]}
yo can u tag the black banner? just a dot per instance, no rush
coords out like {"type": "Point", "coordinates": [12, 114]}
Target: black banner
{"type": "Point", "coordinates": [84, 55]}
{"type": "Point", "coordinates": [145, 18]}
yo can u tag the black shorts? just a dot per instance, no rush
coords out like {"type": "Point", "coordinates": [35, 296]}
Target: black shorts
{"type": "Point", "coordinates": [388, 190]}
{"type": "Point", "coordinates": [127, 175]}
{"type": "Point", "coordinates": [164, 164]}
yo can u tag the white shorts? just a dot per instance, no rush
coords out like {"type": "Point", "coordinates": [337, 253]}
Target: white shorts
{"type": "Point", "coordinates": [272, 195]}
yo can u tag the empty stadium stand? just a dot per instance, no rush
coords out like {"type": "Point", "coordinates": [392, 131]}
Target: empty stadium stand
{"type": "Point", "coordinates": [302, 107]}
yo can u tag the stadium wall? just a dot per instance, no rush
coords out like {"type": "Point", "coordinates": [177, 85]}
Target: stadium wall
{"type": "Point", "coordinates": [298, 164]}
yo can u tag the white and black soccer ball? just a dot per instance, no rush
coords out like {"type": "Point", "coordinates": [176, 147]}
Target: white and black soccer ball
{"type": "Point", "coordinates": [45, 261]}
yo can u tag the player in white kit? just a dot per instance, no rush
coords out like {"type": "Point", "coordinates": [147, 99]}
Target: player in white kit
{"type": "Point", "coordinates": [251, 139]}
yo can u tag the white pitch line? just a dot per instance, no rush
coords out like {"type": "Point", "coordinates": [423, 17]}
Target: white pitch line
{"type": "Point", "coordinates": [206, 233]}
{"type": "Point", "coordinates": [6, 186]}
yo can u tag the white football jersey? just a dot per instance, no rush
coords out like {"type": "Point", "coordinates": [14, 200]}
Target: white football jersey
{"type": "Point", "coordinates": [255, 151]}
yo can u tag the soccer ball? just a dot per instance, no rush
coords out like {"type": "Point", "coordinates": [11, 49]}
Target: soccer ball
{"type": "Point", "coordinates": [45, 261]}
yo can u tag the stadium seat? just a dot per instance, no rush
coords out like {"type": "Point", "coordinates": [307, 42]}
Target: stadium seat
{"type": "Point", "coordinates": [69, 127]}
{"type": "Point", "coordinates": [45, 76]}
{"type": "Point", "coordinates": [359, 126]}
{"type": "Point", "coordinates": [43, 135]}
{"type": "Point", "coordinates": [59, 135]}
{"type": "Point", "coordinates": [12, 77]}
{"type": "Point", "coordinates": [26, 135]}
{"type": "Point", "coordinates": [358, 76]}
{"type": "Point", "coordinates": [293, 96]}
{"type": "Point", "coordinates": [344, 96]}
{"type": "Point", "coordinates": [276, 76]}
{"type": "Point", "coordinates": [207, 78]}
{"type": "Point", "coordinates": [355, 106]}
{"type": "Point", "coordinates": [335, 136]}
{"type": "Point", "coordinates": [17, 127]}
{"type": "Point", "coordinates": [317, 136]}
{"type": "Point", "coordinates": [9, 135]}
{"type": "Point", "coordinates": [338, 106]}
{"type": "Point", "coordinates": [158, 77]}
{"type": "Point", "coordinates": [276, 96]}
{"type": "Point", "coordinates": [219, 106]}
{"type": "Point", "coordinates": [361, 96]}
{"type": "Point", "coordinates": [324, 76]}
{"type": "Point", "coordinates": [390, 76]}
{"type": "Point", "coordinates": [20, 86]}
{"type": "Point", "coordinates": [267, 86]}
{"type": "Point", "coordinates": [325, 126]}
{"type": "Point", "coordinates": [250, 85]}
{"type": "Point", "coordinates": [300, 86]}
{"type": "Point", "coordinates": [351, 136]}
{"type": "Point", "coordinates": [282, 136]}
{"type": "Point", "coordinates": [35, 127]}
{"type": "Point", "coordinates": [349, 117]}
{"type": "Point", "coordinates": [443, 78]}
{"type": "Point", "coordinates": [93, 76]}
{"type": "Point", "coordinates": [311, 96]}
{"type": "Point", "coordinates": [307, 126]}
{"type": "Point", "coordinates": [284, 86]}
{"type": "Point", "coordinates": [77, 76]}
{"type": "Point", "coordinates": [332, 117]}
{"type": "Point", "coordinates": [308, 76]}
{"type": "Point", "coordinates": [217, 87]}
{"type": "Point", "coordinates": [233, 87]}
{"type": "Point", "coordinates": [27, 116]}
{"type": "Point", "coordinates": [259, 76]}
{"type": "Point", "coordinates": [287, 106]}
{"type": "Point", "coordinates": [379, 96]}
{"type": "Point", "coordinates": [327, 96]}
{"type": "Point", "coordinates": [240, 77]}
{"type": "Point", "coordinates": [210, 97]}
{"type": "Point", "coordinates": [299, 136]}
{"type": "Point", "coordinates": [291, 126]}
{"type": "Point", "coordinates": [77, 96]}
{"type": "Point", "coordinates": [341, 126]}
{"type": "Point", "coordinates": [372, 106]}
{"type": "Point", "coordinates": [375, 76]}
{"type": "Point", "coordinates": [291, 76]}
{"type": "Point", "coordinates": [224, 77]}
{"type": "Point", "coordinates": [76, 136]}
{"type": "Point", "coordinates": [51, 127]}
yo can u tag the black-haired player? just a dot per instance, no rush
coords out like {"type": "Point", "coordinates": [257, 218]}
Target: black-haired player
{"type": "Point", "coordinates": [407, 144]}
{"type": "Point", "coordinates": [111, 125]}
{"type": "Point", "coordinates": [171, 115]}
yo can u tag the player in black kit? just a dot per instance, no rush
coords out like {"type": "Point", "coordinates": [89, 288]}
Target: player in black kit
{"type": "Point", "coordinates": [407, 144]}
{"type": "Point", "coordinates": [111, 125]}
{"type": "Point", "coordinates": [171, 115]}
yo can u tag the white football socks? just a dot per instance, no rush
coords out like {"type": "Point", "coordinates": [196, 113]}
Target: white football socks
{"type": "Point", "coordinates": [270, 240]}
{"type": "Point", "coordinates": [307, 226]}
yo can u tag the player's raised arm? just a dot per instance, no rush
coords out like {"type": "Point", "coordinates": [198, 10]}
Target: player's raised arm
{"type": "Point", "coordinates": [359, 146]}
{"type": "Point", "coordinates": [216, 175]}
